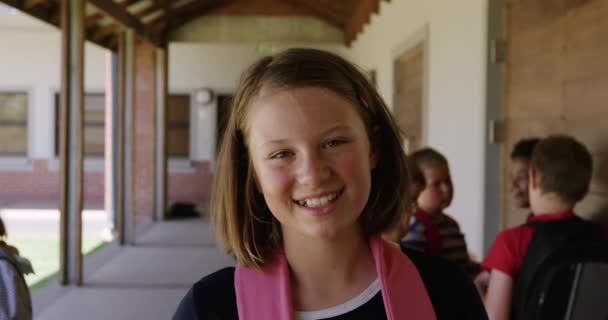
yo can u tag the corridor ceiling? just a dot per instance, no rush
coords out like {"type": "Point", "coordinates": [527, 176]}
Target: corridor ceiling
{"type": "Point", "coordinates": [152, 20]}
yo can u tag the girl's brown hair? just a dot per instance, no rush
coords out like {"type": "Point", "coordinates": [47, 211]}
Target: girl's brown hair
{"type": "Point", "coordinates": [245, 226]}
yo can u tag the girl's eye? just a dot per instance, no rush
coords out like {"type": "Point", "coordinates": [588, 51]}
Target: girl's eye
{"type": "Point", "coordinates": [334, 143]}
{"type": "Point", "coordinates": [280, 155]}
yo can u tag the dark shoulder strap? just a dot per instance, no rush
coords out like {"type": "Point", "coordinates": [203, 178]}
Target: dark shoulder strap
{"type": "Point", "coordinates": [9, 258]}
{"type": "Point", "coordinates": [433, 238]}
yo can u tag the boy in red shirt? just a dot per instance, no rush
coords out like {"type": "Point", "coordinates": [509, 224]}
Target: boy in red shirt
{"type": "Point", "coordinates": [559, 177]}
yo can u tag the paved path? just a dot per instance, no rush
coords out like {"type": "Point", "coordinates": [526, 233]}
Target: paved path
{"type": "Point", "coordinates": [145, 281]}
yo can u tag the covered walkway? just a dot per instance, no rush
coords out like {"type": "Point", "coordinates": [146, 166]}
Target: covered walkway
{"type": "Point", "coordinates": [145, 281]}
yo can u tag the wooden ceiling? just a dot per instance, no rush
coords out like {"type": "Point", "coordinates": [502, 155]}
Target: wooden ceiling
{"type": "Point", "coordinates": [153, 19]}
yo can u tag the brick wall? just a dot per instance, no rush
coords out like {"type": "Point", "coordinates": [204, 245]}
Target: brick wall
{"type": "Point", "coordinates": [42, 185]}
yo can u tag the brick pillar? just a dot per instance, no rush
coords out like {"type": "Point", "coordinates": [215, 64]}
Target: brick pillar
{"type": "Point", "coordinates": [144, 131]}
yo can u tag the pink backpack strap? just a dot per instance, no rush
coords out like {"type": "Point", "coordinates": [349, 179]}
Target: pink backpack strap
{"type": "Point", "coordinates": [403, 292]}
{"type": "Point", "coordinates": [433, 238]}
{"type": "Point", "coordinates": [266, 294]}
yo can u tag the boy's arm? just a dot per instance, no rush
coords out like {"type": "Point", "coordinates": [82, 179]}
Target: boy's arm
{"type": "Point", "coordinates": [481, 283]}
{"type": "Point", "coordinates": [499, 294]}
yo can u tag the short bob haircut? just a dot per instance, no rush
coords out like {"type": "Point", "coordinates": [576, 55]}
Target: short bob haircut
{"type": "Point", "coordinates": [427, 158]}
{"type": "Point", "coordinates": [244, 225]}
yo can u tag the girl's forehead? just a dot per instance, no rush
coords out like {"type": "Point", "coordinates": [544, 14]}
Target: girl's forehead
{"type": "Point", "coordinates": [300, 111]}
{"type": "Point", "coordinates": [436, 171]}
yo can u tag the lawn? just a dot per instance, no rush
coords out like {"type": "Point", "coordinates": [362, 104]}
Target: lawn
{"type": "Point", "coordinates": [43, 252]}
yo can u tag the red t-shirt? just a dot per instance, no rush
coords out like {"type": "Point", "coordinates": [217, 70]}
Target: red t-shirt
{"type": "Point", "coordinates": [509, 249]}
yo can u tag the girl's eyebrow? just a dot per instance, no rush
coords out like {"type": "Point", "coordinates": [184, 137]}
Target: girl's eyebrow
{"type": "Point", "coordinates": [330, 130]}
{"type": "Point", "coordinates": [337, 128]}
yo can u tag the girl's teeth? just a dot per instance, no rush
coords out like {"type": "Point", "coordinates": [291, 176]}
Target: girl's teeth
{"type": "Point", "coordinates": [318, 202]}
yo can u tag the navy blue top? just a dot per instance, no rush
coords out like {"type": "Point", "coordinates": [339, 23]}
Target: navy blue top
{"type": "Point", "coordinates": [452, 294]}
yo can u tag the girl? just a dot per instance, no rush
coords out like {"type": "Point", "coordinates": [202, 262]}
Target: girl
{"type": "Point", "coordinates": [310, 173]}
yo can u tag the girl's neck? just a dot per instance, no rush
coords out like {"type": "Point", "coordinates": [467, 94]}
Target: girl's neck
{"type": "Point", "coordinates": [326, 273]}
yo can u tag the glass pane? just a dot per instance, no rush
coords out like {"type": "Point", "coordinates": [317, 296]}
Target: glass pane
{"type": "Point", "coordinates": [13, 106]}
{"type": "Point", "coordinates": [13, 139]}
{"type": "Point", "coordinates": [94, 117]}
{"type": "Point", "coordinates": [178, 142]}
{"type": "Point", "coordinates": [94, 141]}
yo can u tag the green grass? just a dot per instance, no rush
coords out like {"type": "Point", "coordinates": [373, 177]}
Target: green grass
{"type": "Point", "coordinates": [43, 252]}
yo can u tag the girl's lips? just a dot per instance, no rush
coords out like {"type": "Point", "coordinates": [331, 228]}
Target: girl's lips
{"type": "Point", "coordinates": [321, 209]}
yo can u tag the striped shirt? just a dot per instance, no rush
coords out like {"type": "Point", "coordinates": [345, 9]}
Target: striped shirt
{"type": "Point", "coordinates": [452, 244]}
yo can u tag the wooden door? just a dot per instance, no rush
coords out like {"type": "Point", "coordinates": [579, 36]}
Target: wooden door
{"type": "Point", "coordinates": [408, 95]}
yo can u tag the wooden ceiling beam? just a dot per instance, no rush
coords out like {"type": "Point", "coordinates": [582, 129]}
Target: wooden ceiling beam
{"type": "Point", "coordinates": [28, 4]}
{"type": "Point", "coordinates": [104, 32]}
{"type": "Point", "coordinates": [93, 19]}
{"type": "Point", "coordinates": [123, 17]}
{"type": "Point", "coordinates": [360, 17]}
{"type": "Point", "coordinates": [146, 11]}
{"type": "Point", "coordinates": [49, 15]}
{"type": "Point", "coordinates": [127, 3]}
{"type": "Point", "coordinates": [195, 9]}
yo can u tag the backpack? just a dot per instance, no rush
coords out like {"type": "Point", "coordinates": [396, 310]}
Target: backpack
{"type": "Point", "coordinates": [555, 252]}
{"type": "Point", "coordinates": [181, 210]}
{"type": "Point", "coordinates": [15, 300]}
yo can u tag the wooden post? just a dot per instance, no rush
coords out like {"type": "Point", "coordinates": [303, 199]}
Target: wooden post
{"type": "Point", "coordinates": [71, 137]}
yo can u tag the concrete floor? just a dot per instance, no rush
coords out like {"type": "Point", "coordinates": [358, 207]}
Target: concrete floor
{"type": "Point", "coordinates": [145, 281]}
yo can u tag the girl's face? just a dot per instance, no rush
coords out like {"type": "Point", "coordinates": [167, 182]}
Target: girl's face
{"type": "Point", "coordinates": [438, 192]}
{"type": "Point", "coordinates": [312, 160]}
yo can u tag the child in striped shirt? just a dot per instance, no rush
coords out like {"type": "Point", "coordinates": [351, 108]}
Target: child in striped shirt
{"type": "Point", "coordinates": [431, 230]}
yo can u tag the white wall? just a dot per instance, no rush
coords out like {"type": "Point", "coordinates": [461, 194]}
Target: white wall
{"type": "Point", "coordinates": [30, 60]}
{"type": "Point", "coordinates": [455, 109]}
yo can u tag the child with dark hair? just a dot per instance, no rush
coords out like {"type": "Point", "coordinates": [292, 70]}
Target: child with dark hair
{"type": "Point", "coordinates": [520, 164]}
{"type": "Point", "coordinates": [431, 230]}
{"type": "Point", "coordinates": [310, 174]}
{"type": "Point", "coordinates": [559, 177]}
{"type": "Point", "coordinates": [521, 156]}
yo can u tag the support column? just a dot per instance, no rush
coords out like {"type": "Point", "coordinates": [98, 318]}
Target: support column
{"type": "Point", "coordinates": [160, 133]}
{"type": "Point", "coordinates": [127, 233]}
{"type": "Point", "coordinates": [113, 142]}
{"type": "Point", "coordinates": [71, 137]}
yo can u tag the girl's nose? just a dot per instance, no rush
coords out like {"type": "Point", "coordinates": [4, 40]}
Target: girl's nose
{"type": "Point", "coordinates": [313, 170]}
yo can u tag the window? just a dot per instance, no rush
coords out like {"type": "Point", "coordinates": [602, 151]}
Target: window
{"type": "Point", "coordinates": [94, 122]}
{"type": "Point", "coordinates": [13, 123]}
{"type": "Point", "coordinates": [178, 126]}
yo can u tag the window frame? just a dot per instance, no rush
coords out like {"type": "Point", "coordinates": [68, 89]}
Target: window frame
{"type": "Point", "coordinates": [20, 162]}
{"type": "Point", "coordinates": [93, 163]}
